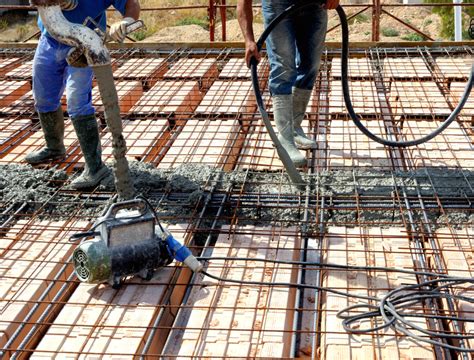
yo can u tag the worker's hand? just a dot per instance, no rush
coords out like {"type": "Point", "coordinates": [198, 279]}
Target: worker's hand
{"type": "Point", "coordinates": [251, 50]}
{"type": "Point", "coordinates": [68, 5]}
{"type": "Point", "coordinates": [332, 4]}
{"type": "Point", "coordinates": [118, 30]}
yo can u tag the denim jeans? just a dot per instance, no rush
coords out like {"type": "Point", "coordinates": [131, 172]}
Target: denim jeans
{"type": "Point", "coordinates": [294, 47]}
{"type": "Point", "coordinates": [52, 74]}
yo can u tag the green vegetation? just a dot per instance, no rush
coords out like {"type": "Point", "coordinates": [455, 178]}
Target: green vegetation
{"type": "Point", "coordinates": [446, 14]}
{"type": "Point", "coordinates": [202, 22]}
{"type": "Point", "coordinates": [390, 32]}
{"type": "Point", "coordinates": [3, 24]}
{"type": "Point", "coordinates": [427, 22]}
{"type": "Point", "coordinates": [413, 37]}
{"type": "Point", "coordinates": [360, 18]}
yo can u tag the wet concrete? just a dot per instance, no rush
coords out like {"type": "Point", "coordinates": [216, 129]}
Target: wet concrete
{"type": "Point", "coordinates": [264, 198]}
{"type": "Point", "coordinates": [108, 93]}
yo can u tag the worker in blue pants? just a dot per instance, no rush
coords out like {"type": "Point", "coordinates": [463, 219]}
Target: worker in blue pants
{"type": "Point", "coordinates": [294, 51]}
{"type": "Point", "coordinates": [52, 75]}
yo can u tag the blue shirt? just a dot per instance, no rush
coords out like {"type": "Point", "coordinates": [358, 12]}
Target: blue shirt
{"type": "Point", "coordinates": [90, 8]}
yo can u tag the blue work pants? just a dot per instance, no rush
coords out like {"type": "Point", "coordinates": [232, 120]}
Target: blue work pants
{"type": "Point", "coordinates": [52, 74]}
{"type": "Point", "coordinates": [294, 47]}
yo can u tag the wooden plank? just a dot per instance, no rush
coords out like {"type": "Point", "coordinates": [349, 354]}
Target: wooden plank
{"type": "Point", "coordinates": [36, 141]}
{"type": "Point", "coordinates": [128, 92]}
{"type": "Point", "coordinates": [212, 142]}
{"type": "Point", "coordinates": [349, 147]}
{"type": "Point", "coordinates": [454, 68]}
{"type": "Point", "coordinates": [228, 97]}
{"type": "Point", "coordinates": [148, 70]}
{"type": "Point", "coordinates": [140, 136]}
{"type": "Point", "coordinates": [457, 249]}
{"type": "Point", "coordinates": [22, 72]}
{"type": "Point", "coordinates": [401, 68]}
{"type": "Point", "coordinates": [169, 97]}
{"type": "Point", "coordinates": [363, 96]}
{"type": "Point", "coordinates": [366, 247]}
{"type": "Point", "coordinates": [358, 68]}
{"type": "Point", "coordinates": [414, 98]}
{"type": "Point", "coordinates": [30, 261]}
{"type": "Point", "coordinates": [12, 90]}
{"type": "Point", "coordinates": [100, 320]}
{"type": "Point", "coordinates": [23, 105]}
{"type": "Point", "coordinates": [241, 321]}
{"type": "Point", "coordinates": [7, 64]}
{"type": "Point", "coordinates": [452, 148]}
{"type": "Point", "coordinates": [192, 68]}
{"type": "Point", "coordinates": [456, 91]}
{"type": "Point", "coordinates": [235, 68]}
{"type": "Point", "coordinates": [204, 69]}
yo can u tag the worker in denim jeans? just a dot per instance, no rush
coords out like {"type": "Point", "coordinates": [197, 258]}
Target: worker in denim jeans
{"type": "Point", "coordinates": [294, 50]}
{"type": "Point", "coordinates": [52, 75]}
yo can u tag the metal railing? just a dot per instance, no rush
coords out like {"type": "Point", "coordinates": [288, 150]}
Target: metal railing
{"type": "Point", "coordinates": [217, 13]}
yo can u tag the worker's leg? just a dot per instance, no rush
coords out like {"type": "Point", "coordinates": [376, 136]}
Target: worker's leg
{"type": "Point", "coordinates": [49, 78]}
{"type": "Point", "coordinates": [79, 100]}
{"type": "Point", "coordinates": [281, 49]}
{"type": "Point", "coordinates": [310, 31]}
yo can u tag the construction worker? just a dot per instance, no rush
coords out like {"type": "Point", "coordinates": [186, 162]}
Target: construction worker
{"type": "Point", "coordinates": [52, 75]}
{"type": "Point", "coordinates": [294, 50]}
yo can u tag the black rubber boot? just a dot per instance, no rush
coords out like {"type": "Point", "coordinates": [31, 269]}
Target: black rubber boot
{"type": "Point", "coordinates": [87, 132]}
{"type": "Point", "coordinates": [52, 124]}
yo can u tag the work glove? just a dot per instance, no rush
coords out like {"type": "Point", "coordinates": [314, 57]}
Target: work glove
{"type": "Point", "coordinates": [68, 5]}
{"type": "Point", "coordinates": [118, 30]}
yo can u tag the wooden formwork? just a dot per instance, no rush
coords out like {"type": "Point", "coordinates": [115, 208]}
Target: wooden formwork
{"type": "Point", "coordinates": [240, 321]}
{"type": "Point", "coordinates": [366, 247]}
{"type": "Point", "coordinates": [32, 254]}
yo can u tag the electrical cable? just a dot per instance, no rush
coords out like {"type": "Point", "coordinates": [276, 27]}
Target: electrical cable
{"type": "Point", "coordinates": [392, 311]}
{"type": "Point", "coordinates": [345, 83]}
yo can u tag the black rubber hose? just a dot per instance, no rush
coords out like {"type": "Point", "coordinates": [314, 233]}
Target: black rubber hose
{"type": "Point", "coordinates": [345, 83]}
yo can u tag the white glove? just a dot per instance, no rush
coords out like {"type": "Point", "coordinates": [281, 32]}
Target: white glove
{"type": "Point", "coordinates": [118, 30]}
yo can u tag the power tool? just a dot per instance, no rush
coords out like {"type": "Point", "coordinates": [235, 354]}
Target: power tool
{"type": "Point", "coordinates": [128, 240]}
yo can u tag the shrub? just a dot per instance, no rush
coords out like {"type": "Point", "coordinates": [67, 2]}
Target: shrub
{"type": "Point", "coordinates": [413, 37]}
{"type": "Point", "coordinates": [390, 32]}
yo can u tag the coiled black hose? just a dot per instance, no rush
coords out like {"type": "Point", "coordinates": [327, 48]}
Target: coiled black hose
{"type": "Point", "coordinates": [345, 84]}
{"type": "Point", "coordinates": [395, 310]}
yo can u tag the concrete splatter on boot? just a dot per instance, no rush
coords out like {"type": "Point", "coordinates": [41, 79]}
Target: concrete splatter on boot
{"type": "Point", "coordinates": [52, 124]}
{"type": "Point", "coordinates": [283, 114]}
{"type": "Point", "coordinates": [300, 103]}
{"type": "Point", "coordinates": [87, 132]}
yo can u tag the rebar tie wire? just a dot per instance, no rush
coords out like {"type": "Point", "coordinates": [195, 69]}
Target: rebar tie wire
{"type": "Point", "coordinates": [393, 310]}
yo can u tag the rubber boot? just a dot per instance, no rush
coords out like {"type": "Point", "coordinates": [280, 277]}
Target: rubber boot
{"type": "Point", "coordinates": [87, 132]}
{"type": "Point", "coordinates": [52, 124]}
{"type": "Point", "coordinates": [283, 114]}
{"type": "Point", "coordinates": [300, 103]}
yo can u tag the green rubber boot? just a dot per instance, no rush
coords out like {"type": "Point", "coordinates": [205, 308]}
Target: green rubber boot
{"type": "Point", "coordinates": [283, 114]}
{"type": "Point", "coordinates": [87, 132]}
{"type": "Point", "coordinates": [52, 124]}
{"type": "Point", "coordinates": [300, 103]}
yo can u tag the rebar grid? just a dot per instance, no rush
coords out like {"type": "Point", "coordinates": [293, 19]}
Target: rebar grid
{"type": "Point", "coordinates": [364, 204]}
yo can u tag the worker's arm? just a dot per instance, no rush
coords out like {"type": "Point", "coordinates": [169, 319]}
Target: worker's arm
{"type": "Point", "coordinates": [131, 13]}
{"type": "Point", "coordinates": [332, 4]}
{"type": "Point", "coordinates": [132, 9]}
{"type": "Point", "coordinates": [245, 17]}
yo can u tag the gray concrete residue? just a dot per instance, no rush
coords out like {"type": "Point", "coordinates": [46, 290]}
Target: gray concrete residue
{"type": "Point", "coordinates": [263, 198]}
{"type": "Point", "coordinates": [24, 183]}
